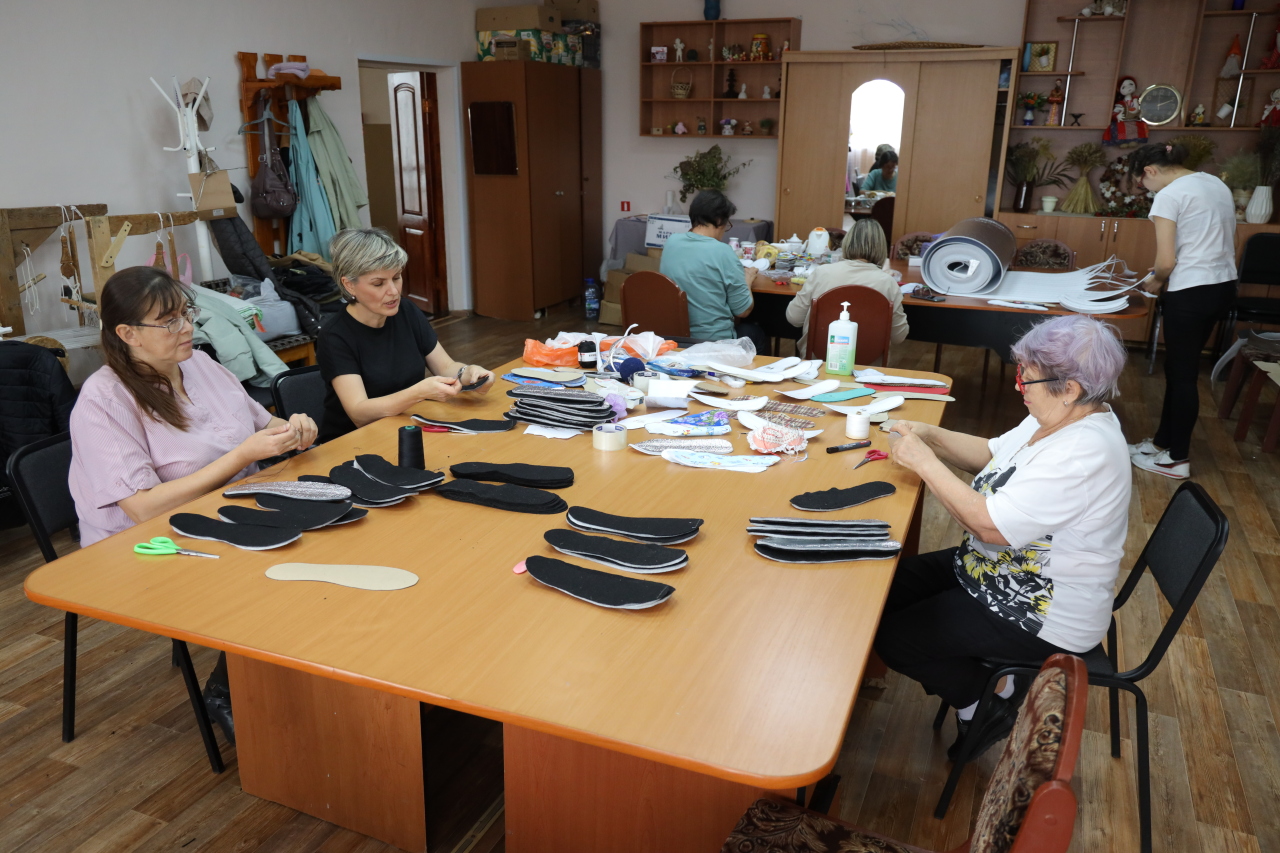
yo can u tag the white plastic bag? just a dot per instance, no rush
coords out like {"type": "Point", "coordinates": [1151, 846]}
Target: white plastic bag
{"type": "Point", "coordinates": [735, 353]}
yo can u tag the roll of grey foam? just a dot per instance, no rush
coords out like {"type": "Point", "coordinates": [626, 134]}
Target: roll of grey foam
{"type": "Point", "coordinates": [969, 259]}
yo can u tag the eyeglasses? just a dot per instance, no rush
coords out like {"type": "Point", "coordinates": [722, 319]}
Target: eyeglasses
{"type": "Point", "coordinates": [175, 325]}
{"type": "Point", "coordinates": [1022, 384]}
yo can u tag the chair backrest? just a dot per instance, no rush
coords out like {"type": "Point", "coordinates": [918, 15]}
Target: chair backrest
{"type": "Point", "coordinates": [656, 304]}
{"type": "Point", "coordinates": [867, 307]}
{"type": "Point", "coordinates": [38, 473]}
{"type": "Point", "coordinates": [1045, 253]}
{"type": "Point", "coordinates": [1029, 804]}
{"type": "Point", "coordinates": [1260, 261]}
{"type": "Point", "coordinates": [882, 212]}
{"type": "Point", "coordinates": [300, 390]}
{"type": "Point", "coordinates": [1181, 552]}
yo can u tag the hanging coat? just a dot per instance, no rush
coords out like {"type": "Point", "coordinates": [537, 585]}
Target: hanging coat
{"type": "Point", "coordinates": [337, 175]}
{"type": "Point", "coordinates": [311, 226]}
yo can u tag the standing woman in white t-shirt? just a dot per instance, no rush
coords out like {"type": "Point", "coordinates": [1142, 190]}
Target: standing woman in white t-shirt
{"type": "Point", "coordinates": [1195, 222]}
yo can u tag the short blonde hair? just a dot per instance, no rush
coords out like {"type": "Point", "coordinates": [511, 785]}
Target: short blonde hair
{"type": "Point", "coordinates": [359, 251]}
{"type": "Point", "coordinates": [865, 241]}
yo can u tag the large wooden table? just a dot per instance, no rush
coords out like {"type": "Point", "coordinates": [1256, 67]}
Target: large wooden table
{"type": "Point", "coordinates": [960, 320]}
{"type": "Point", "coordinates": [623, 730]}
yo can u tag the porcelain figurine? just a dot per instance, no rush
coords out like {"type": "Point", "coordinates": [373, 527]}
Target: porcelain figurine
{"type": "Point", "coordinates": [766, 94]}
{"type": "Point", "coordinates": [742, 93]}
{"type": "Point", "coordinates": [702, 126]}
{"type": "Point", "coordinates": [680, 129]}
{"type": "Point", "coordinates": [679, 50]}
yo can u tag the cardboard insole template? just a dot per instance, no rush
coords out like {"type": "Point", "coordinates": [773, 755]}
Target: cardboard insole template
{"type": "Point", "coordinates": [378, 578]}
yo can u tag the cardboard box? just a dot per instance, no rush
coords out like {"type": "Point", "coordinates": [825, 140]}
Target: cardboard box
{"type": "Point", "coordinates": [528, 17]}
{"type": "Point", "coordinates": [636, 263]}
{"type": "Point", "coordinates": [613, 285]}
{"type": "Point", "coordinates": [578, 10]}
{"type": "Point", "coordinates": [212, 195]}
{"type": "Point", "coordinates": [654, 253]}
{"type": "Point", "coordinates": [493, 45]}
{"type": "Point", "coordinates": [611, 313]}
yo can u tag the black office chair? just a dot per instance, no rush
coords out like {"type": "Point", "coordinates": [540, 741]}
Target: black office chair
{"type": "Point", "coordinates": [300, 390]}
{"type": "Point", "coordinates": [1182, 551]}
{"type": "Point", "coordinates": [38, 473]}
{"type": "Point", "coordinates": [1259, 264]}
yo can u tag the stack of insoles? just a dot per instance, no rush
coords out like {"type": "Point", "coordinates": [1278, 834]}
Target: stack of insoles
{"type": "Point", "coordinates": [804, 540]}
{"type": "Point", "coordinates": [474, 426]}
{"type": "Point", "coordinates": [374, 482]}
{"type": "Point", "coordinates": [294, 507]}
{"type": "Point", "coordinates": [834, 499]}
{"type": "Point", "coordinates": [654, 531]}
{"type": "Point", "coordinates": [507, 496]}
{"type": "Point", "coordinates": [517, 473]}
{"type": "Point", "coordinates": [595, 587]}
{"type": "Point", "coordinates": [573, 408]}
{"type": "Point", "coordinates": [639, 557]}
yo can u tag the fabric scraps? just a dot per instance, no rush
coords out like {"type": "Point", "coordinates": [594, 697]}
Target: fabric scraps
{"type": "Point", "coordinates": [773, 438]}
{"type": "Point", "coordinates": [712, 422]}
{"type": "Point", "coordinates": [787, 408]}
{"type": "Point", "coordinates": [655, 446]}
{"type": "Point", "coordinates": [745, 464]}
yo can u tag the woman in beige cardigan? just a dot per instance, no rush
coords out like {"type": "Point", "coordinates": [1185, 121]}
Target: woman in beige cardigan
{"type": "Point", "coordinates": [864, 251]}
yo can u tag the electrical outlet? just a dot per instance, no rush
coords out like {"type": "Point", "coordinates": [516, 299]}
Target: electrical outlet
{"type": "Point", "coordinates": [626, 207]}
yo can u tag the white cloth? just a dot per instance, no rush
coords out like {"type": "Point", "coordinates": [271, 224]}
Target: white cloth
{"type": "Point", "coordinates": [1201, 206]}
{"type": "Point", "coordinates": [1063, 505]}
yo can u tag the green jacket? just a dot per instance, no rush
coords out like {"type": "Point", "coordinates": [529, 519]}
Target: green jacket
{"type": "Point", "coordinates": [337, 175]}
{"type": "Point", "coordinates": [235, 345]}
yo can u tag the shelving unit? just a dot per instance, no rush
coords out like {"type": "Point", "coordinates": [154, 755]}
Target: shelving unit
{"type": "Point", "coordinates": [710, 76]}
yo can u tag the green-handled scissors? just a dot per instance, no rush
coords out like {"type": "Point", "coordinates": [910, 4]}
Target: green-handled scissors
{"type": "Point", "coordinates": [165, 545]}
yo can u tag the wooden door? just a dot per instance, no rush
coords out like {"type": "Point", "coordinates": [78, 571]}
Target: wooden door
{"type": "Point", "coordinates": [1028, 226]}
{"type": "Point", "coordinates": [555, 200]}
{"type": "Point", "coordinates": [592, 135]}
{"type": "Point", "coordinates": [946, 170]}
{"type": "Point", "coordinates": [813, 146]}
{"type": "Point", "coordinates": [1087, 236]}
{"type": "Point", "coordinates": [419, 199]}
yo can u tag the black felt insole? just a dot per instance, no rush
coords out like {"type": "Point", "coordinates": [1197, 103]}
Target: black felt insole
{"type": "Point", "coordinates": [503, 496]}
{"type": "Point", "coordinates": [825, 551]}
{"type": "Point", "coordinates": [833, 499]}
{"type": "Point", "coordinates": [819, 533]}
{"type": "Point", "coordinates": [355, 499]}
{"type": "Point", "coordinates": [316, 514]}
{"type": "Point", "coordinates": [470, 425]}
{"type": "Point", "coordinates": [364, 486]}
{"type": "Point", "coordinates": [393, 475]}
{"type": "Point", "coordinates": [662, 530]}
{"type": "Point", "coordinates": [629, 556]}
{"type": "Point", "coordinates": [519, 473]}
{"type": "Point", "coordinates": [822, 522]}
{"type": "Point", "coordinates": [251, 537]}
{"type": "Point", "coordinates": [596, 587]}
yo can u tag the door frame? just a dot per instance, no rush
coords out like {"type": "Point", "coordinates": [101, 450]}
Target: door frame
{"type": "Point", "coordinates": [428, 138]}
{"type": "Point", "coordinates": [896, 68]}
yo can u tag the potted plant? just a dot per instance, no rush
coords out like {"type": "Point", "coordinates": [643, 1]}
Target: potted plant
{"type": "Point", "coordinates": [705, 170]}
{"type": "Point", "coordinates": [766, 124]}
{"type": "Point", "coordinates": [1029, 165]}
{"type": "Point", "coordinates": [1032, 101]}
{"type": "Point", "coordinates": [1242, 172]}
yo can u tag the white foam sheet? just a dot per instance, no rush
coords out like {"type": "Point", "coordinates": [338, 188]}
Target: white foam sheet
{"type": "Point", "coordinates": [637, 421]}
{"type": "Point", "coordinates": [810, 391]}
{"type": "Point", "coordinates": [876, 407]}
{"type": "Point", "coordinates": [761, 375]}
{"type": "Point", "coordinates": [961, 265]}
{"type": "Point", "coordinates": [751, 405]}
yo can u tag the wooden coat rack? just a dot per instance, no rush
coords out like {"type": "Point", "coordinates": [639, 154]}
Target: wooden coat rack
{"type": "Point", "coordinates": [281, 90]}
{"type": "Point", "coordinates": [103, 230]}
{"type": "Point", "coordinates": [30, 227]}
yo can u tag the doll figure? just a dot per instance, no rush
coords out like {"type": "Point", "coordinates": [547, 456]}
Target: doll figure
{"type": "Point", "coordinates": [1127, 129]}
{"type": "Point", "coordinates": [766, 94]}
{"type": "Point", "coordinates": [680, 129]}
{"type": "Point", "coordinates": [702, 126]}
{"type": "Point", "coordinates": [746, 129]}
{"type": "Point", "coordinates": [727, 125]}
{"type": "Point", "coordinates": [679, 50]}
{"type": "Point", "coordinates": [1055, 100]}
{"type": "Point", "coordinates": [1271, 112]}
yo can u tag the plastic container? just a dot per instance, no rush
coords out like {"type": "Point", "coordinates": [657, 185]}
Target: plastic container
{"type": "Point", "coordinates": [591, 299]}
{"type": "Point", "coordinates": [842, 342]}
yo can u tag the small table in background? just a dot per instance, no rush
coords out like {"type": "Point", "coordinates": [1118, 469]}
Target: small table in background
{"type": "Point", "coordinates": [628, 234]}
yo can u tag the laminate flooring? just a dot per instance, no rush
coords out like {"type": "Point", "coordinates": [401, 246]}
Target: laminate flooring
{"type": "Point", "coordinates": [136, 779]}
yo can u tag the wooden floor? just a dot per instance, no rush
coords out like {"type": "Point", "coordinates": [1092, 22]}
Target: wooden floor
{"type": "Point", "coordinates": [136, 779]}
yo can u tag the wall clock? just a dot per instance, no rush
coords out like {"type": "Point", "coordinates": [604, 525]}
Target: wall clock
{"type": "Point", "coordinates": [1161, 104]}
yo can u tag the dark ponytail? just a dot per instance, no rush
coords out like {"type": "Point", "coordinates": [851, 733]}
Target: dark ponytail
{"type": "Point", "coordinates": [1159, 155]}
{"type": "Point", "coordinates": [128, 297]}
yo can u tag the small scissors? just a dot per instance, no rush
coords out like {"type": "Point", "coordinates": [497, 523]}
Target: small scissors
{"type": "Point", "coordinates": [872, 456]}
{"type": "Point", "coordinates": [165, 545]}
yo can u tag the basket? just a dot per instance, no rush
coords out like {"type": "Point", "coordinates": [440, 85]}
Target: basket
{"type": "Point", "coordinates": [681, 90]}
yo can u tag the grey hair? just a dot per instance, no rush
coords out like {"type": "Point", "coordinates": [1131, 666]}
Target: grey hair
{"type": "Point", "coordinates": [359, 251]}
{"type": "Point", "coordinates": [865, 241]}
{"type": "Point", "coordinates": [1079, 347]}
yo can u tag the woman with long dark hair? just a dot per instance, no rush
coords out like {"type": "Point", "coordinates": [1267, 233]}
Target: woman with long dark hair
{"type": "Point", "coordinates": [161, 424]}
{"type": "Point", "coordinates": [1195, 275]}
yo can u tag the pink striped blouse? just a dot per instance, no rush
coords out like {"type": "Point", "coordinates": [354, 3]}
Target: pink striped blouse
{"type": "Point", "coordinates": [117, 450]}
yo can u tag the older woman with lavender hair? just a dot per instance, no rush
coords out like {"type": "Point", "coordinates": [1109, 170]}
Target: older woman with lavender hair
{"type": "Point", "coordinates": [1044, 521]}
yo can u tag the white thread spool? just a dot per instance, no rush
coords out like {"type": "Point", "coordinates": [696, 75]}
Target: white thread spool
{"type": "Point", "coordinates": [641, 378]}
{"type": "Point", "coordinates": [609, 437]}
{"type": "Point", "coordinates": [857, 425]}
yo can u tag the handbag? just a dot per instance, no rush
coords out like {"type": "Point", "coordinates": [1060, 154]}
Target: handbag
{"type": "Point", "coordinates": [271, 194]}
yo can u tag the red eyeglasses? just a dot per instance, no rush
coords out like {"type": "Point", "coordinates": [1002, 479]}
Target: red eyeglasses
{"type": "Point", "coordinates": [1021, 384]}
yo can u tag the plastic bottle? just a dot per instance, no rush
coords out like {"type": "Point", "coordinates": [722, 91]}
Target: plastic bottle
{"type": "Point", "coordinates": [842, 342]}
{"type": "Point", "coordinates": [591, 299]}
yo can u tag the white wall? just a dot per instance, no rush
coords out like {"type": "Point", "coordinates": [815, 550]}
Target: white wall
{"type": "Point", "coordinates": [635, 166]}
{"type": "Point", "coordinates": [84, 125]}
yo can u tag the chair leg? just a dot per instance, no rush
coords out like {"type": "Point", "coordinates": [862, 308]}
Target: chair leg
{"type": "Point", "coordinates": [1144, 767]}
{"type": "Point", "coordinates": [986, 363]}
{"type": "Point", "coordinates": [1113, 695]}
{"type": "Point", "coordinates": [1251, 396]}
{"type": "Point", "coordinates": [943, 707]}
{"type": "Point", "coordinates": [957, 767]}
{"type": "Point", "coordinates": [197, 704]}
{"type": "Point", "coordinates": [1272, 437]}
{"type": "Point", "coordinates": [1235, 381]}
{"type": "Point", "coordinates": [937, 358]}
{"type": "Point", "coordinates": [1155, 339]}
{"type": "Point", "coordinates": [824, 793]}
{"type": "Point", "coordinates": [70, 633]}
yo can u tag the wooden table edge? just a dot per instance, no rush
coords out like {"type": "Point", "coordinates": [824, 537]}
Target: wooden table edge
{"type": "Point", "coordinates": [729, 774]}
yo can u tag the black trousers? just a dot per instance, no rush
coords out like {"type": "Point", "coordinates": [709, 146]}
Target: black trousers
{"type": "Point", "coordinates": [1188, 317]}
{"type": "Point", "coordinates": [752, 329]}
{"type": "Point", "coordinates": [936, 633]}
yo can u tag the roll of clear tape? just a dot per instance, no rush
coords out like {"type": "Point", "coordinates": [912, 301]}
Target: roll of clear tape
{"type": "Point", "coordinates": [640, 380]}
{"type": "Point", "coordinates": [609, 437]}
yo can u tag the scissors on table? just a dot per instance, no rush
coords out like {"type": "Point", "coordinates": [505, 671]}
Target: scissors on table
{"type": "Point", "coordinates": [872, 456]}
{"type": "Point", "coordinates": [165, 545]}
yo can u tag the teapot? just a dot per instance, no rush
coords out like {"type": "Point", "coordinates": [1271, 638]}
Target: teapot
{"type": "Point", "coordinates": [795, 245]}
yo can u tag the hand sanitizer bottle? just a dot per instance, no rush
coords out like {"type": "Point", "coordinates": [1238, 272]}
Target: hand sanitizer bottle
{"type": "Point", "coordinates": [842, 342]}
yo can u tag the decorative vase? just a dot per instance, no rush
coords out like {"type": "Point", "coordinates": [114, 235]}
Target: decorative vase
{"type": "Point", "coordinates": [1048, 203]}
{"type": "Point", "coordinates": [1259, 210]}
{"type": "Point", "coordinates": [1029, 117]}
{"type": "Point", "coordinates": [1022, 196]}
{"type": "Point", "coordinates": [711, 10]}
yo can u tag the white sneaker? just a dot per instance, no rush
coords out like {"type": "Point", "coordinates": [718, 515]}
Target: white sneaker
{"type": "Point", "coordinates": [1146, 447]}
{"type": "Point", "coordinates": [1161, 463]}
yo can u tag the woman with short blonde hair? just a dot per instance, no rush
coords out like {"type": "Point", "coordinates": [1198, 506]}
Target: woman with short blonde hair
{"type": "Point", "coordinates": [380, 356]}
{"type": "Point", "coordinates": [864, 248]}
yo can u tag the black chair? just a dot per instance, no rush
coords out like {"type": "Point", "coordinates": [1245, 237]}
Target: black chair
{"type": "Point", "coordinates": [1259, 264]}
{"type": "Point", "coordinates": [38, 473]}
{"type": "Point", "coordinates": [299, 391]}
{"type": "Point", "coordinates": [1182, 551]}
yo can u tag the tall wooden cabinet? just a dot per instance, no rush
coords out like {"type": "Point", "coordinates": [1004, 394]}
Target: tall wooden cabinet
{"type": "Point", "coordinates": [533, 136]}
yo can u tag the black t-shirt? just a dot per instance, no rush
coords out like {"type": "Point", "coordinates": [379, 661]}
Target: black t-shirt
{"type": "Point", "coordinates": [388, 359]}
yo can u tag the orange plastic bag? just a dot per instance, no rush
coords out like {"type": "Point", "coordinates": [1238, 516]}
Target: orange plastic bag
{"type": "Point", "coordinates": [540, 355]}
{"type": "Point", "coordinates": [667, 346]}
